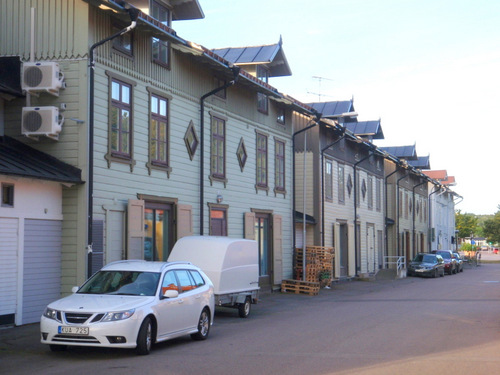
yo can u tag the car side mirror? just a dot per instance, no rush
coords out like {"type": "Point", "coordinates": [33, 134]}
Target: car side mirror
{"type": "Point", "coordinates": [74, 289]}
{"type": "Point", "coordinates": [171, 293]}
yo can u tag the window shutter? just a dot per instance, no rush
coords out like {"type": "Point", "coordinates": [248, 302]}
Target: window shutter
{"type": "Point", "coordinates": [135, 229]}
{"type": "Point", "coordinates": [184, 220]}
{"type": "Point", "coordinates": [352, 252]}
{"type": "Point", "coordinates": [277, 249]}
{"type": "Point", "coordinates": [249, 225]}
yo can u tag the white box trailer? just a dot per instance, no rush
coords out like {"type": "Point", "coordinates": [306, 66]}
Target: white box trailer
{"type": "Point", "coordinates": [231, 263]}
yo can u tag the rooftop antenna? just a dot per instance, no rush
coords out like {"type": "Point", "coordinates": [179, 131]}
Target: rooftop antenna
{"type": "Point", "coordinates": [319, 86]}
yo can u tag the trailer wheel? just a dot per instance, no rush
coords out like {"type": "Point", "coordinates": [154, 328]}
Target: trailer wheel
{"type": "Point", "coordinates": [244, 308]}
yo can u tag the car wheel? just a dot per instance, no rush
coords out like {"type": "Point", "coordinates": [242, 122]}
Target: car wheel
{"type": "Point", "coordinates": [442, 272]}
{"type": "Point", "coordinates": [244, 308]}
{"type": "Point", "coordinates": [203, 326]}
{"type": "Point", "coordinates": [145, 337]}
{"type": "Point", "coordinates": [58, 348]}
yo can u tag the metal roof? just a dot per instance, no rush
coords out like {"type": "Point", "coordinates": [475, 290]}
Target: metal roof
{"type": "Point", "coordinates": [422, 162]}
{"type": "Point", "coordinates": [371, 129]}
{"type": "Point", "coordinates": [403, 152]}
{"type": "Point", "coordinates": [333, 108]}
{"type": "Point", "coordinates": [271, 55]}
{"type": "Point", "coordinates": [19, 159]}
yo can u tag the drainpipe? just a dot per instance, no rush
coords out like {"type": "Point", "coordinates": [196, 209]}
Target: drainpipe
{"type": "Point", "coordinates": [323, 187]}
{"type": "Point", "coordinates": [371, 152]}
{"type": "Point", "coordinates": [397, 209]}
{"type": "Point", "coordinates": [430, 211]}
{"type": "Point", "coordinates": [134, 14]}
{"type": "Point", "coordinates": [236, 72]}
{"type": "Point", "coordinates": [387, 211]}
{"type": "Point", "coordinates": [413, 214]}
{"type": "Point", "coordinates": [316, 122]}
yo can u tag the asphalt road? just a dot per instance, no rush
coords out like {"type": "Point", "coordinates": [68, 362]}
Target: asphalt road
{"type": "Point", "coordinates": [447, 325]}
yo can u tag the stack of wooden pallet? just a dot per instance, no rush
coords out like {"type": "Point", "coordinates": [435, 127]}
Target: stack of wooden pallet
{"type": "Point", "coordinates": [300, 287]}
{"type": "Point", "coordinates": [319, 264]}
{"type": "Point", "coordinates": [319, 271]}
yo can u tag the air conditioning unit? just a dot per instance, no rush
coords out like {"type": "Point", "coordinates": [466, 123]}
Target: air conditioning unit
{"type": "Point", "coordinates": [42, 77]}
{"type": "Point", "coordinates": [38, 121]}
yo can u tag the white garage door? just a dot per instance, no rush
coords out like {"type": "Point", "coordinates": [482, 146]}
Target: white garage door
{"type": "Point", "coordinates": [8, 268]}
{"type": "Point", "coordinates": [42, 267]}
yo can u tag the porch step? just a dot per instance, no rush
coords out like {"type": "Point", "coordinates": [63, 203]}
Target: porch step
{"type": "Point", "coordinates": [386, 274]}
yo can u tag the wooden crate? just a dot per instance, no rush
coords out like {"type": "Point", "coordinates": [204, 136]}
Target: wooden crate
{"type": "Point", "coordinates": [300, 287]}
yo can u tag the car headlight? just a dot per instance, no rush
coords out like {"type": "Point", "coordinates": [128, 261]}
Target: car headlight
{"type": "Point", "coordinates": [52, 314]}
{"type": "Point", "coordinates": [114, 316]}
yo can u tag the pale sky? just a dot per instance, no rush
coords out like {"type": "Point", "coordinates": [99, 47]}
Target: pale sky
{"type": "Point", "coordinates": [429, 69]}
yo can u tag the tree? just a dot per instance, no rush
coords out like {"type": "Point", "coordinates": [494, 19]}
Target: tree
{"type": "Point", "coordinates": [492, 228]}
{"type": "Point", "coordinates": [465, 224]}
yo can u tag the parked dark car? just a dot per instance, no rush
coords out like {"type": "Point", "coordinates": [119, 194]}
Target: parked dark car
{"type": "Point", "coordinates": [450, 263]}
{"type": "Point", "coordinates": [423, 264]}
{"type": "Point", "coordinates": [460, 262]}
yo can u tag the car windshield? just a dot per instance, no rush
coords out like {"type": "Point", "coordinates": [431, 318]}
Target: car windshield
{"type": "Point", "coordinates": [445, 255]}
{"type": "Point", "coordinates": [130, 283]}
{"type": "Point", "coordinates": [429, 259]}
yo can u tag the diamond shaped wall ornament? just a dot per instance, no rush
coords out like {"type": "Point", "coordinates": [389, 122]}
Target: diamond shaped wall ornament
{"type": "Point", "coordinates": [241, 153]}
{"type": "Point", "coordinates": [349, 185]}
{"type": "Point", "coordinates": [411, 205]}
{"type": "Point", "coordinates": [363, 189]}
{"type": "Point", "coordinates": [191, 140]}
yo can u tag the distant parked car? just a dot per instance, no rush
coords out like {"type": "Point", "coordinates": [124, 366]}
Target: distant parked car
{"type": "Point", "coordinates": [450, 263]}
{"type": "Point", "coordinates": [423, 264]}
{"type": "Point", "coordinates": [132, 304]}
{"type": "Point", "coordinates": [460, 262]}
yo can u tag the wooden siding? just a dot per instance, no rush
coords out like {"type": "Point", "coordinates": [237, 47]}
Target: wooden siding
{"type": "Point", "coordinates": [61, 32]}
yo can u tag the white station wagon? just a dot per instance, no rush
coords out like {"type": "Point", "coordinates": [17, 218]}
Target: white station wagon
{"type": "Point", "coordinates": [132, 304]}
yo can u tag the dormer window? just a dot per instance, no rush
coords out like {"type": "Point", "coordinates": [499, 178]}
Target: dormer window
{"type": "Point", "coordinates": [160, 48]}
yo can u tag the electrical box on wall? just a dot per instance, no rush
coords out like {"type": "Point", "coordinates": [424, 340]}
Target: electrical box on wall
{"type": "Point", "coordinates": [42, 77]}
{"type": "Point", "coordinates": [44, 121]}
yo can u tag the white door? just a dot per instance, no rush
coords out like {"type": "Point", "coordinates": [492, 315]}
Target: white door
{"type": "Point", "coordinates": [42, 267]}
{"type": "Point", "coordinates": [8, 269]}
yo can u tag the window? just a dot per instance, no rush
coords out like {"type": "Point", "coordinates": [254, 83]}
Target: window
{"type": "Point", "coordinates": [218, 220]}
{"type": "Point", "coordinates": [7, 195]}
{"type": "Point", "coordinates": [158, 132]}
{"type": "Point", "coordinates": [169, 282]}
{"type": "Point", "coordinates": [370, 192]}
{"type": "Point", "coordinates": [378, 194]}
{"type": "Point", "coordinates": [261, 160]}
{"type": "Point", "coordinates": [279, 166]}
{"type": "Point", "coordinates": [123, 43]}
{"type": "Point", "coordinates": [121, 114]}
{"type": "Point", "coordinates": [218, 150]}
{"type": "Point", "coordinates": [328, 180]}
{"type": "Point", "coordinates": [400, 208]}
{"type": "Point", "coordinates": [280, 117]}
{"type": "Point", "coordinates": [161, 49]}
{"type": "Point", "coordinates": [341, 183]}
{"type": "Point", "coordinates": [186, 281]}
{"type": "Point", "coordinates": [262, 100]}
{"type": "Point", "coordinates": [219, 83]}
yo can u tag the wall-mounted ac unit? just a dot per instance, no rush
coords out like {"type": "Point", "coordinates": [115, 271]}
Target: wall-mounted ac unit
{"type": "Point", "coordinates": [38, 121]}
{"type": "Point", "coordinates": [42, 77]}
